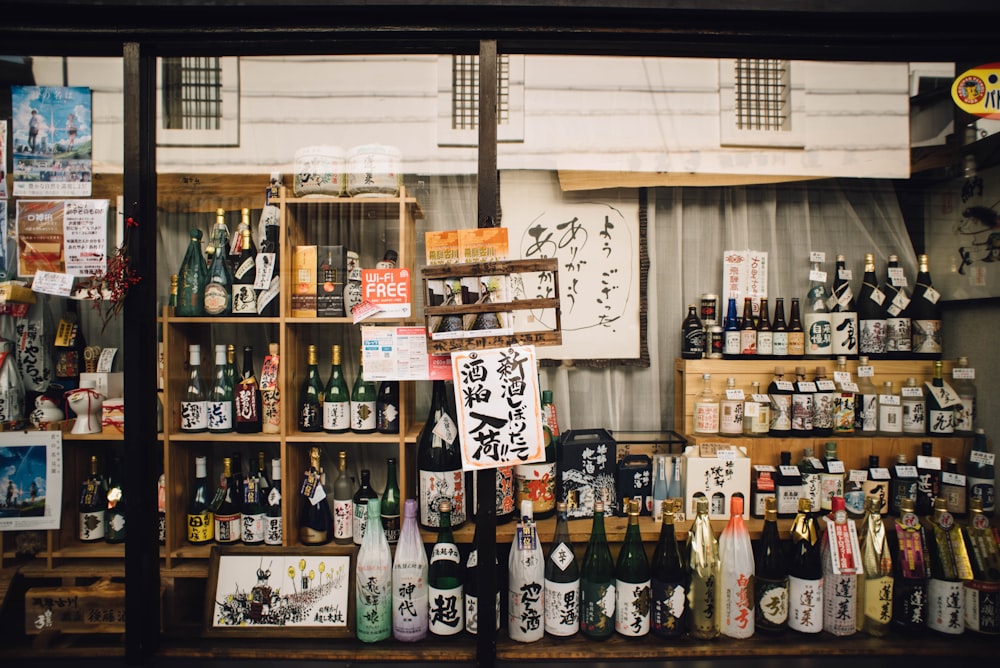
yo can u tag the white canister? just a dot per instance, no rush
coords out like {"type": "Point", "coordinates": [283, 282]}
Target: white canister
{"type": "Point", "coordinates": [319, 170]}
{"type": "Point", "coordinates": [373, 170]}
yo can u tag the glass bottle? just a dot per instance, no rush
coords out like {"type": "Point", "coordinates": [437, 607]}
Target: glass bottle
{"type": "Point", "coordinates": [914, 413]}
{"type": "Point", "coordinates": [831, 478]}
{"type": "Point", "coordinates": [866, 400]}
{"type": "Point", "coordinates": [219, 283]}
{"type": "Point", "coordinates": [953, 488]}
{"type": "Point", "coordinates": [161, 507]}
{"type": "Point", "coordinates": [692, 335]}
{"type": "Point", "coordinates": [770, 586]}
{"type": "Point", "coordinates": [218, 241]}
{"type": "Point", "coordinates": [748, 331]}
{"type": "Point", "coordinates": [444, 578]}
{"type": "Point", "coordinates": [765, 337]}
{"type": "Point", "coordinates": [661, 485]}
{"type": "Point", "coordinates": [343, 503]}
{"type": "Point", "coordinates": [925, 315]}
{"type": "Point", "coordinates": [632, 581]}
{"type": "Point", "coordinates": [409, 580]}
{"type": "Point", "coordinates": [962, 376]}
{"type": "Point", "coordinates": [248, 401]}
{"type": "Point", "coordinates": [228, 522]}
{"type": "Point", "coordinates": [194, 406]}
{"type": "Point", "coordinates": [779, 328]}
{"type": "Point", "coordinates": [787, 486]}
{"type": "Point", "coordinates": [908, 548]}
{"type": "Point", "coordinates": [364, 494]}
{"type": "Point", "coordinates": [854, 492]}
{"type": "Point", "coordinates": [949, 567]}
{"type": "Point", "coordinates": [731, 332]}
{"type": "Point", "coordinates": [68, 347]}
{"type": "Point", "coordinates": [805, 573]}
{"type": "Point", "coordinates": [387, 407]}
{"type": "Point", "coordinates": [336, 398]}
{"type": "Point", "coordinates": [703, 567]}
{"type": "Point", "coordinates": [897, 313]}
{"type": "Point", "coordinates": [984, 557]}
{"type": "Point", "coordinates": [796, 335]}
{"type": "Point", "coordinates": [314, 514]}
{"type": "Point", "coordinates": [902, 484]}
{"type": "Point", "coordinates": [537, 482]}
{"type": "Point", "coordinates": [736, 569]}
{"type": "Point", "coordinates": [254, 505]}
{"type": "Point", "coordinates": [390, 503]}
{"type": "Point", "coordinates": [816, 320]}
{"type": "Point", "coordinates": [668, 577]}
{"type": "Point", "coordinates": [841, 564]}
{"type": "Point", "coordinates": [756, 412]}
{"type": "Point", "coordinates": [191, 279]}
{"type": "Point", "coordinates": [220, 400]}
{"type": "Point", "coordinates": [843, 399]}
{"type": "Point", "coordinates": [273, 523]}
{"type": "Point", "coordinates": [981, 473]}
{"type": "Point", "coordinates": [471, 586]}
{"type": "Point", "coordinates": [803, 406]}
{"type": "Point", "coordinates": [172, 299]}
{"type": "Point", "coordinates": [843, 312]}
{"type": "Point", "coordinates": [269, 262]}
{"type": "Point", "coordinates": [890, 411]}
{"type": "Point", "coordinates": [810, 468]}
{"type": "Point", "coordinates": [270, 396]}
{"type": "Point", "coordinates": [597, 584]}
{"type": "Point", "coordinates": [362, 402]}
{"type": "Point", "coordinates": [871, 313]}
{"type": "Point", "coordinates": [200, 518]}
{"type": "Point", "coordinates": [706, 408]}
{"type": "Point", "coordinates": [373, 582]}
{"type": "Point", "coordinates": [311, 395]}
{"type": "Point", "coordinates": [525, 581]}
{"type": "Point", "coordinates": [876, 484]}
{"type": "Point", "coordinates": [93, 506]}
{"type": "Point", "coordinates": [928, 479]}
{"type": "Point", "coordinates": [562, 581]}
{"type": "Point", "coordinates": [941, 405]}
{"type": "Point", "coordinates": [244, 277]}
{"type": "Point", "coordinates": [439, 462]}
{"type": "Point", "coordinates": [779, 392]}
{"type": "Point", "coordinates": [823, 403]}
{"type": "Point", "coordinates": [875, 581]}
{"type": "Point", "coordinates": [731, 409]}
{"type": "Point", "coordinates": [762, 488]}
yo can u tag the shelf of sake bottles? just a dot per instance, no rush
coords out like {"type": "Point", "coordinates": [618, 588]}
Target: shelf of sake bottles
{"type": "Point", "coordinates": [342, 651]}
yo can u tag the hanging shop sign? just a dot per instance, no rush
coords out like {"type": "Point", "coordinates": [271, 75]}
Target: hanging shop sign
{"type": "Point", "coordinates": [977, 91]}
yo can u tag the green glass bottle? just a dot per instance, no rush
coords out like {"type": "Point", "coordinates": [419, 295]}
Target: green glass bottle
{"type": "Point", "coordinates": [444, 580]}
{"type": "Point", "coordinates": [219, 283]}
{"type": "Point", "coordinates": [770, 576]}
{"type": "Point", "coordinates": [191, 279]}
{"type": "Point", "coordinates": [668, 606]}
{"type": "Point", "coordinates": [336, 398]}
{"type": "Point", "coordinates": [363, 401]}
{"type": "Point", "coordinates": [373, 582]}
{"type": "Point", "coordinates": [597, 583]}
{"type": "Point", "coordinates": [562, 581]}
{"type": "Point", "coordinates": [311, 396]}
{"type": "Point", "coordinates": [632, 583]}
{"type": "Point", "coordinates": [390, 503]}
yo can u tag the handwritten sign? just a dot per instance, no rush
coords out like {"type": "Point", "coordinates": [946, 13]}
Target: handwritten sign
{"type": "Point", "coordinates": [62, 236]}
{"type": "Point", "coordinates": [499, 412]}
{"type": "Point", "coordinates": [52, 283]}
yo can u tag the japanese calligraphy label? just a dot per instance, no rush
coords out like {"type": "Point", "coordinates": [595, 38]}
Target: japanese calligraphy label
{"type": "Point", "coordinates": [499, 411]}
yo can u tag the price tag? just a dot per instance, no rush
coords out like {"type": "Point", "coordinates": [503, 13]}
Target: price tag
{"type": "Point", "coordinates": [816, 463]}
{"type": "Point", "coordinates": [784, 385]}
{"type": "Point", "coordinates": [857, 475]}
{"type": "Point", "coordinates": [878, 296]}
{"type": "Point", "coordinates": [899, 303]}
{"type": "Point", "coordinates": [896, 276]}
{"type": "Point", "coordinates": [106, 360]}
{"type": "Point", "coordinates": [52, 283]}
{"type": "Point", "coordinates": [817, 256]}
{"type": "Point", "coordinates": [945, 395]}
{"type": "Point", "coordinates": [981, 458]}
{"type": "Point", "coordinates": [911, 392]}
{"type": "Point", "coordinates": [825, 385]}
{"type": "Point", "coordinates": [734, 394]}
{"type": "Point", "coordinates": [727, 454]}
{"type": "Point", "coordinates": [963, 373]}
{"type": "Point", "coordinates": [950, 478]}
{"type": "Point", "coordinates": [817, 275]}
{"type": "Point", "coordinates": [850, 387]}
{"type": "Point", "coordinates": [906, 471]}
{"type": "Point", "coordinates": [879, 473]}
{"type": "Point", "coordinates": [929, 463]}
{"type": "Point", "coordinates": [761, 398]}
{"type": "Point", "coordinates": [888, 399]}
{"type": "Point", "coordinates": [932, 295]}
{"type": "Point", "coordinates": [835, 466]}
{"type": "Point", "coordinates": [845, 275]}
{"type": "Point", "coordinates": [764, 467]}
{"type": "Point", "coordinates": [807, 386]}
{"type": "Point", "coordinates": [866, 371]}
{"type": "Point", "coordinates": [831, 302]}
{"type": "Point", "coordinates": [845, 297]}
{"type": "Point", "coordinates": [789, 470]}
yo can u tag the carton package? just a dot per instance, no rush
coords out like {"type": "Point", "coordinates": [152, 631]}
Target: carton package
{"type": "Point", "coordinates": [304, 282]}
{"type": "Point", "coordinates": [716, 471]}
{"type": "Point", "coordinates": [331, 280]}
{"type": "Point", "coordinates": [634, 480]}
{"type": "Point", "coordinates": [587, 459]}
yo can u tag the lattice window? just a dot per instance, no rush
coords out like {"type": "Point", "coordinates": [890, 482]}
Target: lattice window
{"type": "Point", "coordinates": [458, 99]}
{"type": "Point", "coordinates": [465, 91]}
{"type": "Point", "coordinates": [192, 93]}
{"type": "Point", "coordinates": [762, 94]}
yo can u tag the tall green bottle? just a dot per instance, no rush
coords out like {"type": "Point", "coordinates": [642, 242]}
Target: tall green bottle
{"type": "Point", "coordinates": [444, 580]}
{"type": "Point", "coordinates": [191, 279]}
{"type": "Point", "coordinates": [219, 284]}
{"type": "Point", "coordinates": [632, 581]}
{"type": "Point", "coordinates": [336, 398]}
{"type": "Point", "coordinates": [562, 581]}
{"type": "Point", "coordinates": [668, 580]}
{"type": "Point", "coordinates": [390, 503]}
{"type": "Point", "coordinates": [597, 583]}
{"type": "Point", "coordinates": [311, 395]}
{"type": "Point", "coordinates": [363, 399]}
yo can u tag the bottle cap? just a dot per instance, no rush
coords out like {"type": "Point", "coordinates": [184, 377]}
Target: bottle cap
{"type": "Point", "coordinates": [560, 506]}
{"type": "Point", "coordinates": [410, 508]}
{"type": "Point", "coordinates": [444, 506]}
{"type": "Point", "coordinates": [975, 504]}
{"type": "Point", "coordinates": [940, 503]}
{"type": "Point", "coordinates": [598, 506]}
{"type": "Point", "coordinates": [805, 505]}
{"type": "Point", "coordinates": [736, 505]}
{"type": "Point", "coordinates": [837, 504]}
{"type": "Point", "coordinates": [701, 505]}
{"type": "Point", "coordinates": [906, 505]}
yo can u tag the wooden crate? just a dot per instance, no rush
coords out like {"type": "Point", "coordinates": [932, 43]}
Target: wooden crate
{"type": "Point", "coordinates": [96, 608]}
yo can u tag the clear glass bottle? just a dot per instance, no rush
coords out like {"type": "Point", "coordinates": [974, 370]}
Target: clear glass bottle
{"type": "Point", "coordinates": [336, 398]}
{"type": "Point", "coordinates": [831, 478]}
{"type": "Point", "coordinates": [736, 574]}
{"type": "Point", "coordinates": [526, 581]}
{"type": "Point", "coordinates": [703, 566]}
{"type": "Point", "coordinates": [562, 581]}
{"type": "Point", "coordinates": [363, 401]}
{"type": "Point", "coordinates": [597, 583]}
{"type": "Point", "coordinates": [823, 403]}
{"type": "Point", "coordinates": [409, 580]}
{"type": "Point", "coordinates": [866, 400]}
{"type": "Point", "coordinates": [343, 503]}
{"type": "Point", "coordinates": [843, 399]}
{"type": "Point", "coordinates": [706, 408]}
{"type": "Point", "coordinates": [632, 581]}
{"type": "Point", "coordinates": [194, 405]}
{"type": "Point", "coordinates": [914, 413]}
{"type": "Point", "coordinates": [890, 411]}
{"type": "Point", "coordinates": [373, 582]}
{"type": "Point", "coordinates": [731, 409]}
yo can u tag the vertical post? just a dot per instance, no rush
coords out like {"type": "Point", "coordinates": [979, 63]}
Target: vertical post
{"type": "Point", "coordinates": [486, 514]}
{"type": "Point", "coordinates": [142, 561]}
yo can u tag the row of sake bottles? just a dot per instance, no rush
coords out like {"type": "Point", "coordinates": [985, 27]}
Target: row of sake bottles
{"type": "Point", "coordinates": [830, 576]}
{"type": "Point", "coordinates": [822, 406]}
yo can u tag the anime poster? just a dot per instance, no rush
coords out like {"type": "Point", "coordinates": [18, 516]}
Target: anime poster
{"type": "Point", "coordinates": [3, 159]}
{"type": "Point", "coordinates": [31, 470]}
{"type": "Point", "coordinates": [52, 141]}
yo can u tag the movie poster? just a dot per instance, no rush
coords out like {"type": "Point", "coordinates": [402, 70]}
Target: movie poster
{"type": "Point", "coordinates": [52, 135]}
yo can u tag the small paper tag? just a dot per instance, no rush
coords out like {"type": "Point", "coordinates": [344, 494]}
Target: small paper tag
{"type": "Point", "coordinates": [929, 463]}
{"type": "Point", "coordinates": [751, 409]}
{"type": "Point", "coordinates": [842, 377]}
{"type": "Point", "coordinates": [932, 295]}
{"type": "Point", "coordinates": [825, 385]}
{"type": "Point", "coordinates": [789, 470]}
{"type": "Point", "coordinates": [911, 392]}
{"type": "Point", "coordinates": [982, 458]}
{"type": "Point", "coordinates": [764, 467]}
{"type": "Point", "coordinates": [963, 373]}
{"type": "Point", "coordinates": [760, 398]}
{"type": "Point", "coordinates": [363, 310]}
{"type": "Point", "coordinates": [727, 454]}
{"type": "Point", "coordinates": [806, 386]}
{"type": "Point", "coordinates": [845, 275]}
{"type": "Point", "coordinates": [844, 547]}
{"type": "Point", "coordinates": [817, 256]}
{"type": "Point", "coordinates": [896, 276]}
{"type": "Point", "coordinates": [878, 296]}
{"type": "Point", "coordinates": [888, 399]}
{"type": "Point", "coordinates": [906, 471]}
{"type": "Point", "coordinates": [879, 473]}
{"type": "Point", "coordinates": [734, 394]}
{"type": "Point", "coordinates": [850, 387]}
{"type": "Point", "coordinates": [835, 466]}
{"type": "Point", "coordinates": [866, 371]}
{"type": "Point", "coordinates": [951, 478]}
{"type": "Point", "coordinates": [817, 275]}
{"type": "Point", "coordinates": [106, 360]}
{"type": "Point", "coordinates": [784, 385]}
{"type": "Point", "coordinates": [857, 475]}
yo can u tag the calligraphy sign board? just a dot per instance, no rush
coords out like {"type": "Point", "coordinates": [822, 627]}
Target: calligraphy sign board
{"type": "Point", "coordinates": [499, 411]}
{"type": "Point", "coordinates": [99, 608]}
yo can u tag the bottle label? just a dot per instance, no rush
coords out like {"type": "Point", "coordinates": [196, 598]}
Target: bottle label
{"type": "Point", "coordinates": [194, 415]}
{"type": "Point", "coordinates": [272, 530]}
{"type": "Point", "coordinates": [748, 342]}
{"type": "Point", "coordinates": [246, 403]}
{"type": "Point", "coordinates": [92, 525]}
{"type": "Point", "coordinates": [981, 603]}
{"type": "Point", "coordinates": [390, 525]}
{"type": "Point", "coordinates": [890, 416]}
{"type": "Point", "coordinates": [227, 528]}
{"type": "Point", "coordinates": [737, 604]}
{"type": "Point", "coordinates": [632, 608]}
{"type": "Point", "coordinates": [472, 614]}
{"type": "Point", "coordinates": [772, 602]}
{"type": "Point", "coordinates": [872, 341]}
{"type": "Point", "coordinates": [246, 265]}
{"type": "Point", "coordinates": [253, 528]}
{"type": "Point", "coordinates": [362, 415]}
{"type": "Point", "coordinates": [779, 343]}
{"type": "Point", "coordinates": [359, 522]}
{"type": "Point", "coordinates": [964, 414]}
{"type": "Point", "coordinates": [878, 490]}
{"type": "Point", "coordinates": [731, 417]}
{"type": "Point", "coordinates": [811, 489]}
{"type": "Point", "coordinates": [765, 343]}
{"type": "Point", "coordinates": [562, 605]}
{"type": "Point", "coordinates": [869, 416]}
{"type": "Point", "coordinates": [802, 412]}
{"type": "Point", "coordinates": [897, 337]}
{"type": "Point", "coordinates": [526, 613]}
{"type": "Point", "coordinates": [762, 423]}
{"type": "Point", "coordinates": [200, 528]}
{"type": "Point", "coordinates": [268, 295]}
{"type": "Point", "coordinates": [706, 418]}
{"type": "Point", "coordinates": [438, 486]}
{"type": "Point", "coordinates": [805, 605]}
{"type": "Point", "coordinates": [941, 421]}
{"type": "Point", "coordinates": [787, 498]}
{"type": "Point", "coordinates": [840, 600]}
{"type": "Point", "coordinates": [914, 417]}
{"type": "Point", "coordinates": [667, 610]}
{"type": "Point", "coordinates": [843, 412]}
{"type": "Point", "coordinates": [781, 412]}
{"type": "Point", "coordinates": [702, 606]}
{"type": "Point", "coordinates": [819, 334]}
{"type": "Point", "coordinates": [731, 345]}
{"type": "Point", "coordinates": [310, 418]}
{"type": "Point", "coordinates": [844, 332]}
{"type": "Point", "coordinates": [220, 415]}
{"type": "Point", "coordinates": [823, 410]}
{"type": "Point", "coordinates": [216, 298]}
{"type": "Point", "coordinates": [336, 415]}
{"type": "Point", "coordinates": [447, 608]}
{"type": "Point", "coordinates": [409, 602]}
{"type": "Point", "coordinates": [597, 608]}
{"type": "Point", "coordinates": [909, 609]}
{"type": "Point", "coordinates": [343, 519]}
{"type": "Point", "coordinates": [945, 606]}
{"type": "Point", "coordinates": [536, 483]}
{"type": "Point", "coordinates": [878, 600]}
{"type": "Point", "coordinates": [694, 341]}
{"type": "Point", "coordinates": [985, 489]}
{"type": "Point", "coordinates": [842, 549]}
{"type": "Point", "coordinates": [244, 300]}
{"type": "Point", "coordinates": [796, 344]}
{"type": "Point", "coordinates": [926, 336]}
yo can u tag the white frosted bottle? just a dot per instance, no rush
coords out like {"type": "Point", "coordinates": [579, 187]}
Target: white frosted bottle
{"type": "Point", "coordinates": [525, 587]}
{"type": "Point", "coordinates": [409, 580]}
{"type": "Point", "coordinates": [736, 566]}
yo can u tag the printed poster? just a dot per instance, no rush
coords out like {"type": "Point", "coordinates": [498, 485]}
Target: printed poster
{"type": "Point", "coordinates": [61, 236]}
{"type": "Point", "coordinates": [52, 135]}
{"type": "Point", "coordinates": [3, 159]}
{"type": "Point", "coordinates": [31, 470]}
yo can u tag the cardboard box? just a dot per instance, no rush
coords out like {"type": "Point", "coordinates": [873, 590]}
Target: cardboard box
{"type": "Point", "coordinates": [634, 480]}
{"type": "Point", "coordinates": [587, 463]}
{"type": "Point", "coordinates": [716, 471]}
{"type": "Point", "coordinates": [331, 275]}
{"type": "Point", "coordinates": [304, 282]}
{"type": "Point", "coordinates": [110, 384]}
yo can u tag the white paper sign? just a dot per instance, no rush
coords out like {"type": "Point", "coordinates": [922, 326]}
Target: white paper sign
{"type": "Point", "coordinates": [52, 283]}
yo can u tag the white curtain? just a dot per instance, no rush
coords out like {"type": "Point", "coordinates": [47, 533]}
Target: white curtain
{"type": "Point", "coordinates": [689, 228]}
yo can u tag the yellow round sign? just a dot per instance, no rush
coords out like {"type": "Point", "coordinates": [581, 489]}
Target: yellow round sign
{"type": "Point", "coordinates": [977, 91]}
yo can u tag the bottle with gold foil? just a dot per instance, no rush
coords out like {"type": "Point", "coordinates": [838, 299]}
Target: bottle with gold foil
{"type": "Point", "coordinates": [703, 562]}
{"type": "Point", "coordinates": [982, 593]}
{"type": "Point", "coordinates": [949, 567]}
{"type": "Point", "coordinates": [876, 583]}
{"type": "Point", "coordinates": [909, 556]}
